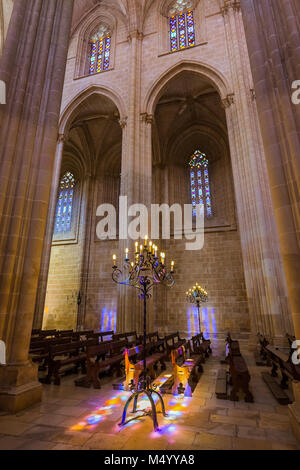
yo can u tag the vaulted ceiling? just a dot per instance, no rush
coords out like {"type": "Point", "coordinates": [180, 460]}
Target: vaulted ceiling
{"type": "Point", "coordinates": [189, 116]}
{"type": "Point", "coordinates": [95, 135]}
{"type": "Point", "coordinates": [132, 11]}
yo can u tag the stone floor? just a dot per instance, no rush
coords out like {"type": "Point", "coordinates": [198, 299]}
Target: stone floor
{"type": "Point", "coordinates": [81, 419]}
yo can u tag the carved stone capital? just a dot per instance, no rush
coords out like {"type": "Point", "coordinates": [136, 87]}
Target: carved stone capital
{"type": "Point", "coordinates": [123, 122]}
{"type": "Point", "coordinates": [228, 101]}
{"type": "Point", "coordinates": [62, 138]}
{"type": "Point", "coordinates": [147, 118]}
{"type": "Point", "coordinates": [253, 94]}
{"type": "Point", "coordinates": [135, 34]}
{"type": "Point", "coordinates": [228, 4]}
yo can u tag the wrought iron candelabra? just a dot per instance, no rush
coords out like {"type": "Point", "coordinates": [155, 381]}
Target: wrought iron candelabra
{"type": "Point", "coordinates": [197, 295]}
{"type": "Point", "coordinates": [143, 272]}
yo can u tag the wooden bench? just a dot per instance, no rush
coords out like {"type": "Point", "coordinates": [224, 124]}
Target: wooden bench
{"type": "Point", "coordinates": [39, 350]}
{"type": "Point", "coordinates": [173, 341]}
{"type": "Point", "coordinates": [66, 357]}
{"type": "Point", "coordinates": [281, 358]}
{"type": "Point", "coordinates": [221, 385]}
{"type": "Point", "coordinates": [131, 337]}
{"type": "Point", "coordinates": [100, 358]}
{"type": "Point", "coordinates": [184, 372]}
{"type": "Point", "coordinates": [275, 388]}
{"type": "Point", "coordinates": [101, 336]}
{"type": "Point", "coordinates": [239, 373]}
{"type": "Point", "coordinates": [290, 339]}
{"type": "Point", "coordinates": [134, 364]}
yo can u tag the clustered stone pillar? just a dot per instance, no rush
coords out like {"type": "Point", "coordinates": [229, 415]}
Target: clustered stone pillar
{"type": "Point", "coordinates": [44, 271]}
{"type": "Point", "coordinates": [273, 37]}
{"type": "Point", "coordinates": [33, 67]}
{"type": "Point", "coordinates": [264, 275]}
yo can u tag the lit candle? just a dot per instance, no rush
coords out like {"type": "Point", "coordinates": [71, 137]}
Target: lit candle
{"type": "Point", "coordinates": [115, 259]}
{"type": "Point", "coordinates": [150, 247]}
{"type": "Point", "coordinates": [172, 266]}
{"type": "Point", "coordinates": [136, 247]}
{"type": "Point", "coordinates": [141, 249]}
{"type": "Point", "coordinates": [126, 254]}
{"type": "Point", "coordinates": [156, 251]}
{"type": "Point", "coordinates": [146, 240]}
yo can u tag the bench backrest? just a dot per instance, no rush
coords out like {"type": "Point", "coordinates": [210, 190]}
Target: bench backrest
{"type": "Point", "coordinates": [178, 353]}
{"type": "Point", "coordinates": [56, 349]}
{"type": "Point", "coordinates": [132, 353]}
{"type": "Point", "coordinates": [98, 350]}
{"type": "Point", "coordinates": [66, 333]}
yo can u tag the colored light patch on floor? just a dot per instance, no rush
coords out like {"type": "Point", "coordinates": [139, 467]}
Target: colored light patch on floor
{"type": "Point", "coordinates": [175, 409]}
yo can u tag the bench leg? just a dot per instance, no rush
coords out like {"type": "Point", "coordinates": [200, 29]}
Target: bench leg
{"type": "Point", "coordinates": [96, 380]}
{"type": "Point", "coordinates": [56, 374]}
{"type": "Point", "coordinates": [274, 370]}
{"type": "Point", "coordinates": [284, 381]}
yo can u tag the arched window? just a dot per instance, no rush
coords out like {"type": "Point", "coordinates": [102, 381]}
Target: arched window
{"type": "Point", "coordinates": [65, 204]}
{"type": "Point", "coordinates": [182, 25]}
{"type": "Point", "coordinates": [100, 48]}
{"type": "Point", "coordinates": [200, 183]}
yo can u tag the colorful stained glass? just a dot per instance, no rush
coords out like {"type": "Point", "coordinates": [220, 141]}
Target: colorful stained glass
{"type": "Point", "coordinates": [190, 29]}
{"type": "Point", "coordinates": [107, 53]}
{"type": "Point", "coordinates": [100, 53]}
{"type": "Point", "coordinates": [173, 33]}
{"type": "Point", "coordinates": [65, 204]}
{"type": "Point", "coordinates": [200, 186]}
{"type": "Point", "coordinates": [182, 30]}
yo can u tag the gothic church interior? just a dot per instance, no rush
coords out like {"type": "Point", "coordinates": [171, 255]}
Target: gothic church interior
{"type": "Point", "coordinates": [165, 103]}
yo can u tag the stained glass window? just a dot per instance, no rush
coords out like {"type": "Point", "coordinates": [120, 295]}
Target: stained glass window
{"type": "Point", "coordinates": [182, 30]}
{"type": "Point", "coordinates": [200, 183]}
{"type": "Point", "coordinates": [65, 204]}
{"type": "Point", "coordinates": [100, 47]}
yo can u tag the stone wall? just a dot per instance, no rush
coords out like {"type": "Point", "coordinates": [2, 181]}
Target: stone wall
{"type": "Point", "coordinates": [139, 68]}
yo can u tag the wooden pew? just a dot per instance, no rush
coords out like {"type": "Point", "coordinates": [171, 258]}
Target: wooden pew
{"type": "Point", "coordinates": [39, 350]}
{"type": "Point", "coordinates": [290, 339]}
{"type": "Point", "coordinates": [281, 358]}
{"type": "Point", "coordinates": [239, 373]}
{"type": "Point", "coordinates": [173, 341]}
{"type": "Point", "coordinates": [134, 364]}
{"type": "Point", "coordinates": [66, 357]}
{"type": "Point", "coordinates": [131, 337]}
{"type": "Point", "coordinates": [103, 356]}
{"type": "Point", "coordinates": [206, 344]}
{"type": "Point", "coordinates": [184, 372]}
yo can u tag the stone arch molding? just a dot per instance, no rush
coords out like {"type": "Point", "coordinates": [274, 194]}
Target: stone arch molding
{"type": "Point", "coordinates": [213, 76]}
{"type": "Point", "coordinates": [70, 108]}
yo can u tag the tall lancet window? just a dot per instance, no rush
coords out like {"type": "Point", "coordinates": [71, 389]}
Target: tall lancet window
{"type": "Point", "coordinates": [182, 25]}
{"type": "Point", "coordinates": [200, 183]}
{"type": "Point", "coordinates": [65, 204]}
{"type": "Point", "coordinates": [100, 48]}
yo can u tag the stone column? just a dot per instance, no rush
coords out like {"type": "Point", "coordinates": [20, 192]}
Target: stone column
{"type": "Point", "coordinates": [273, 38]}
{"type": "Point", "coordinates": [44, 271]}
{"type": "Point", "coordinates": [129, 306]}
{"type": "Point", "coordinates": [264, 276]}
{"type": "Point", "coordinates": [33, 66]}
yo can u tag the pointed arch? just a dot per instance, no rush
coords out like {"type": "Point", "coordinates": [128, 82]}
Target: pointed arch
{"type": "Point", "coordinates": [213, 76]}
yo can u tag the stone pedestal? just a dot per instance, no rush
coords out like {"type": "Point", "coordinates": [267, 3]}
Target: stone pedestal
{"type": "Point", "coordinates": [19, 387]}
